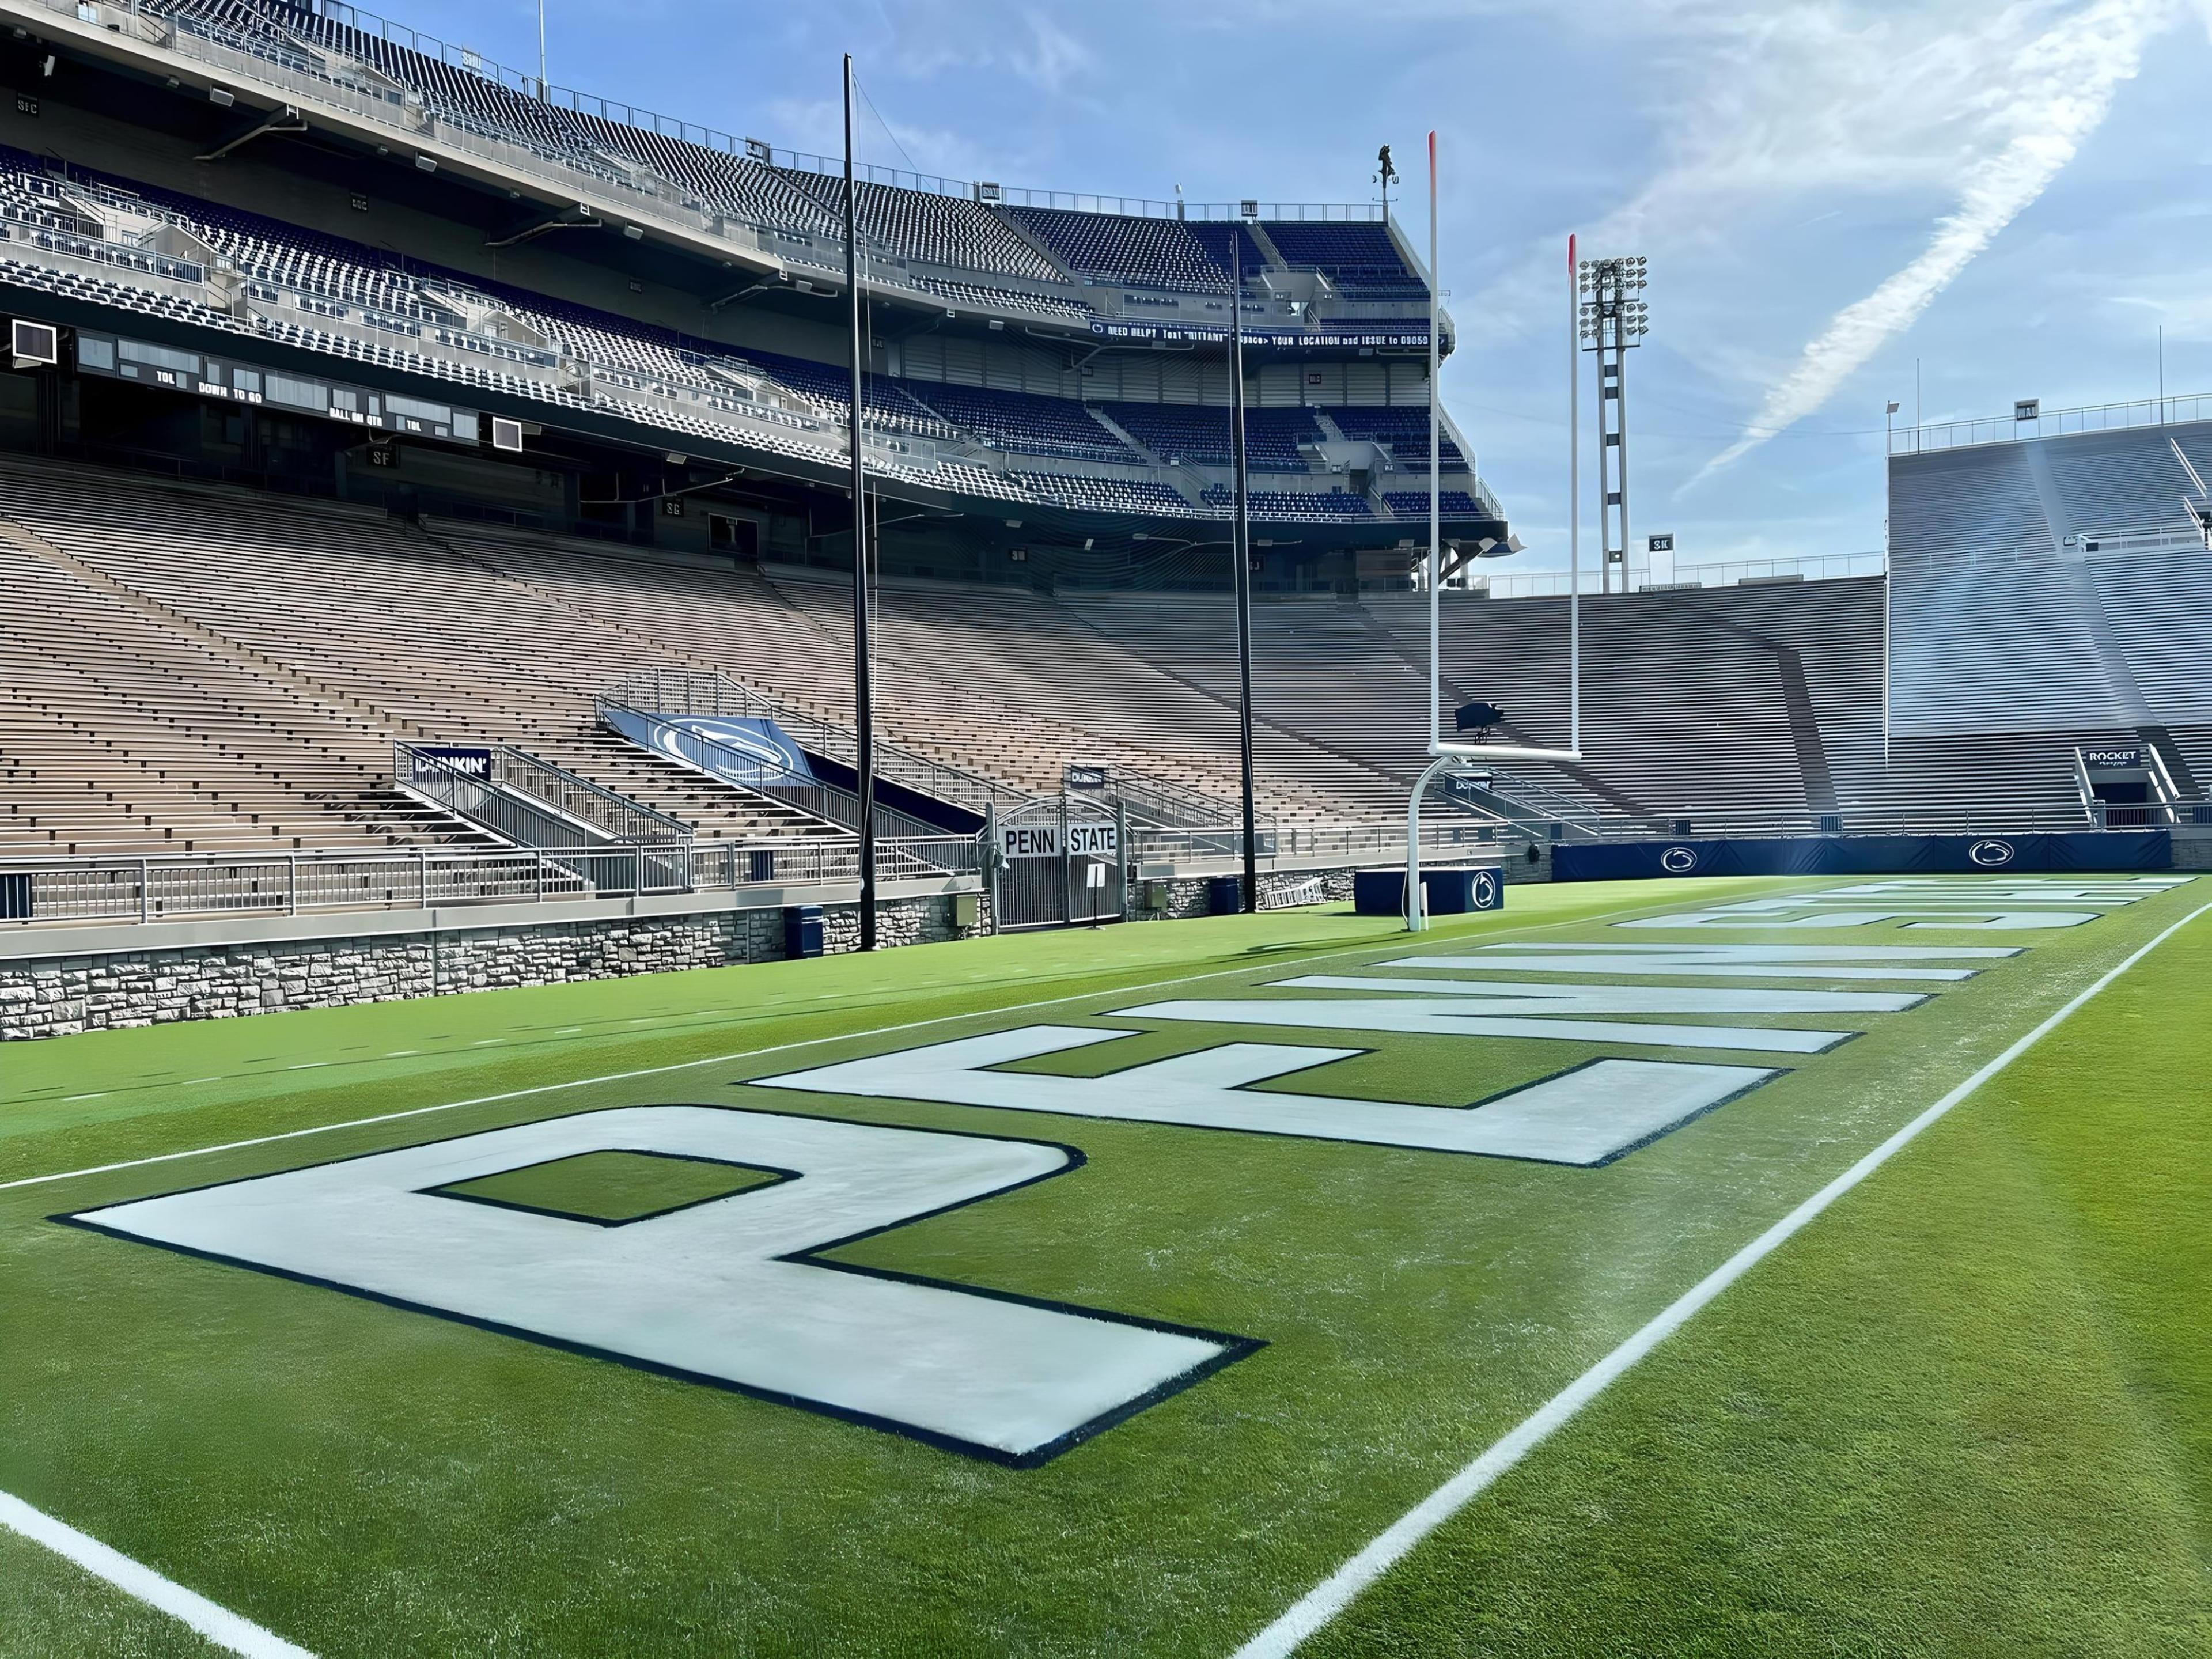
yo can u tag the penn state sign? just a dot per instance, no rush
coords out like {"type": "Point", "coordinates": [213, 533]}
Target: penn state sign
{"type": "Point", "coordinates": [1992, 854]}
{"type": "Point", "coordinates": [1047, 841]}
{"type": "Point", "coordinates": [1678, 861]}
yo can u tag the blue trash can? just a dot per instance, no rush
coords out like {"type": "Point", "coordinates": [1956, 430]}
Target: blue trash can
{"type": "Point", "coordinates": [802, 930]}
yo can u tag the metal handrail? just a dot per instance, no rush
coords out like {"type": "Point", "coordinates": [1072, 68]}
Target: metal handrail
{"type": "Point", "coordinates": [550, 817]}
{"type": "Point", "coordinates": [1985, 818]}
{"type": "Point", "coordinates": [473, 62]}
{"type": "Point", "coordinates": [97, 888]}
{"type": "Point", "coordinates": [1163, 801]}
{"type": "Point", "coordinates": [1812, 568]}
{"type": "Point", "coordinates": [1939, 435]}
{"type": "Point", "coordinates": [830, 802]}
{"type": "Point", "coordinates": [1382, 841]}
{"type": "Point", "coordinates": [619, 817]}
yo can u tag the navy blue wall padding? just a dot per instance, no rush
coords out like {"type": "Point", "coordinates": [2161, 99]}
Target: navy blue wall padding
{"type": "Point", "coordinates": [1444, 892]}
{"type": "Point", "coordinates": [1866, 855]}
{"type": "Point", "coordinates": [953, 820]}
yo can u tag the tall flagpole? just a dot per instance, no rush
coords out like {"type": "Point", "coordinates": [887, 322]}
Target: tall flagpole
{"type": "Point", "coordinates": [1242, 553]}
{"type": "Point", "coordinates": [1435, 475]}
{"type": "Point", "coordinates": [1574, 505]}
{"type": "Point", "coordinates": [864, 710]}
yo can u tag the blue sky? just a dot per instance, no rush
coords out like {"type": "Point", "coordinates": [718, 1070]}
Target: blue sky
{"type": "Point", "coordinates": [2016, 196]}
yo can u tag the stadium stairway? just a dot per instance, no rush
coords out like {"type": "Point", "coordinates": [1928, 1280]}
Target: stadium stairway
{"type": "Point", "coordinates": [1033, 659]}
{"type": "Point", "coordinates": [998, 682]}
{"type": "Point", "coordinates": [713, 618]}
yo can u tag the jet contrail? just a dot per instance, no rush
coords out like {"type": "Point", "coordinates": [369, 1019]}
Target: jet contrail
{"type": "Point", "coordinates": [2067, 79]}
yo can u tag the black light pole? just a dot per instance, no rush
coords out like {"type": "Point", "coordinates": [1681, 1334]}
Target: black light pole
{"type": "Point", "coordinates": [1244, 556]}
{"type": "Point", "coordinates": [863, 708]}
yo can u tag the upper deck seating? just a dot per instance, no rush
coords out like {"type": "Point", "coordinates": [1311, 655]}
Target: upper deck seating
{"type": "Point", "coordinates": [1360, 258]}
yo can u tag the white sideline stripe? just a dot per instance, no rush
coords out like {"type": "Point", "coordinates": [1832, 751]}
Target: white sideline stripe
{"type": "Point", "coordinates": [747, 1053]}
{"type": "Point", "coordinates": [226, 1629]}
{"type": "Point", "coordinates": [1321, 1604]}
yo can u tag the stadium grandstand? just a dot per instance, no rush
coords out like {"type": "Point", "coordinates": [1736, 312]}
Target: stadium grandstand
{"type": "Point", "coordinates": [399, 451]}
{"type": "Point", "coordinates": [507, 601]}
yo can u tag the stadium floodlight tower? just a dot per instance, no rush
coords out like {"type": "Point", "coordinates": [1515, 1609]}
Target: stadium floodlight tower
{"type": "Point", "coordinates": [1454, 756]}
{"type": "Point", "coordinates": [1613, 319]}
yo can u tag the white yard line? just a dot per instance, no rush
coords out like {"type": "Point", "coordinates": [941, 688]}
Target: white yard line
{"type": "Point", "coordinates": [1393, 943]}
{"type": "Point", "coordinates": [1321, 1604]}
{"type": "Point", "coordinates": [226, 1629]}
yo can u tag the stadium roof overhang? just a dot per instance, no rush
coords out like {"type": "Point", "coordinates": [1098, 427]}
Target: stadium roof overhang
{"type": "Point", "coordinates": [522, 195]}
{"type": "Point", "coordinates": [990, 520]}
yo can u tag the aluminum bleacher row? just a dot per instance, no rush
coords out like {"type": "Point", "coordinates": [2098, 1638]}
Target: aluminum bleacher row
{"type": "Point", "coordinates": [206, 668]}
{"type": "Point", "coordinates": [2051, 584]}
{"type": "Point", "coordinates": [325, 295]}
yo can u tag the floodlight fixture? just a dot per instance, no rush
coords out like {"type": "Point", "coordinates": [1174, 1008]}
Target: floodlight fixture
{"type": "Point", "coordinates": [1611, 320]}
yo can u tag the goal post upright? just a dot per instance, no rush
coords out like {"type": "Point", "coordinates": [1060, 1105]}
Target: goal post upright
{"type": "Point", "coordinates": [1444, 756]}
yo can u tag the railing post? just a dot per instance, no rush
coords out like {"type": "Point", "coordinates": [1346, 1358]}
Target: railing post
{"type": "Point", "coordinates": [292, 884]}
{"type": "Point", "coordinates": [422, 880]}
{"type": "Point", "coordinates": [145, 879]}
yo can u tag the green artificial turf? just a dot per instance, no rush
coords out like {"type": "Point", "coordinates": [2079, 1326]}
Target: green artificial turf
{"type": "Point", "coordinates": [1968, 1412]}
{"type": "Point", "coordinates": [612, 1187]}
{"type": "Point", "coordinates": [365, 1480]}
{"type": "Point", "coordinates": [49, 1609]}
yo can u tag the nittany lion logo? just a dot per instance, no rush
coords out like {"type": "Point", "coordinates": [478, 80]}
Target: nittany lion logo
{"type": "Point", "coordinates": [1678, 861]}
{"type": "Point", "coordinates": [1485, 889]}
{"type": "Point", "coordinates": [1991, 854]}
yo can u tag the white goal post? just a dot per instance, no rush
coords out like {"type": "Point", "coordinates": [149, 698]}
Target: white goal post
{"type": "Point", "coordinates": [1447, 756]}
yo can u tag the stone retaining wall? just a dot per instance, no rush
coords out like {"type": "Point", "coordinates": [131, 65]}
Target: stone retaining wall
{"type": "Point", "coordinates": [56, 995]}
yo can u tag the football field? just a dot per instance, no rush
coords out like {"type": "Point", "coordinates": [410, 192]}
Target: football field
{"type": "Point", "coordinates": [1700, 1267]}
